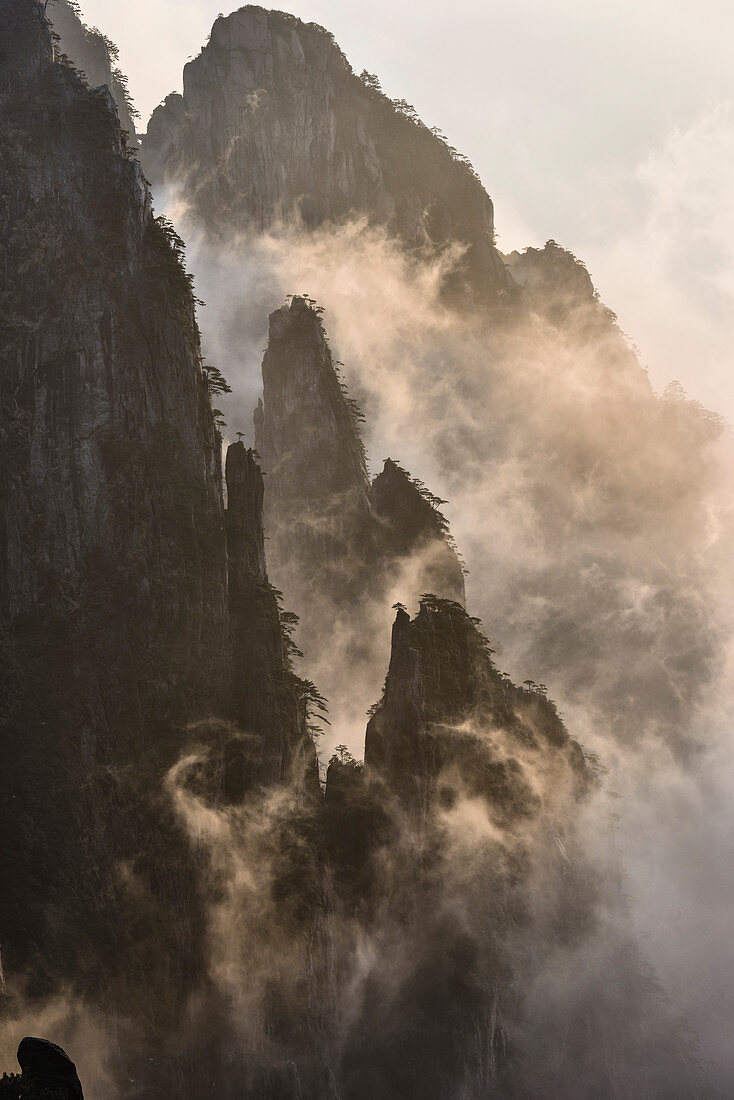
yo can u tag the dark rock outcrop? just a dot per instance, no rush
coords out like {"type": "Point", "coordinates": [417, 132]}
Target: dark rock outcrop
{"type": "Point", "coordinates": [269, 705]}
{"type": "Point", "coordinates": [330, 530]}
{"type": "Point", "coordinates": [47, 1066]}
{"type": "Point", "coordinates": [441, 682]}
{"type": "Point", "coordinates": [489, 877]}
{"type": "Point", "coordinates": [395, 745]}
{"type": "Point", "coordinates": [337, 546]}
{"type": "Point", "coordinates": [316, 506]}
{"type": "Point", "coordinates": [273, 126]}
{"type": "Point", "coordinates": [94, 56]}
{"type": "Point", "coordinates": [117, 630]}
{"type": "Point", "coordinates": [113, 596]}
{"type": "Point", "coordinates": [552, 417]}
{"type": "Point", "coordinates": [411, 933]}
{"type": "Point", "coordinates": [413, 526]}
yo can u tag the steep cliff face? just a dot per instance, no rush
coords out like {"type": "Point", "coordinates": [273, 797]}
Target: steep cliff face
{"type": "Point", "coordinates": [94, 56]}
{"type": "Point", "coordinates": [330, 529]}
{"type": "Point", "coordinates": [269, 91]}
{"type": "Point", "coordinates": [113, 594]}
{"type": "Point", "coordinates": [119, 630]}
{"type": "Point", "coordinates": [342, 550]}
{"type": "Point", "coordinates": [269, 703]}
{"type": "Point", "coordinates": [501, 899]}
{"type": "Point", "coordinates": [413, 526]}
{"type": "Point", "coordinates": [440, 682]}
{"type": "Point", "coordinates": [419, 931]}
{"type": "Point", "coordinates": [317, 486]}
{"type": "Point", "coordinates": [549, 421]}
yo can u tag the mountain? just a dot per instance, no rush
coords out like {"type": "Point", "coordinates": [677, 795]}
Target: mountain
{"type": "Point", "coordinates": [113, 591]}
{"type": "Point", "coordinates": [342, 548]}
{"type": "Point", "coordinates": [504, 379]}
{"type": "Point", "coordinates": [95, 56]}
{"type": "Point", "coordinates": [480, 848]}
{"type": "Point", "coordinates": [190, 903]}
{"type": "Point", "coordinates": [268, 90]}
{"type": "Point", "coordinates": [121, 637]}
{"type": "Point", "coordinates": [415, 530]}
{"type": "Point", "coordinates": [269, 700]}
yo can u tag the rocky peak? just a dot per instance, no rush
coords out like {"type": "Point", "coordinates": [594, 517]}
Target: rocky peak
{"type": "Point", "coordinates": [395, 744]}
{"type": "Point", "coordinates": [306, 434]}
{"type": "Point", "coordinates": [268, 699]}
{"type": "Point", "coordinates": [245, 539]}
{"type": "Point", "coordinates": [414, 526]}
{"type": "Point", "coordinates": [556, 286]}
{"type": "Point", "coordinates": [340, 549]}
{"type": "Point", "coordinates": [442, 695]}
{"type": "Point", "coordinates": [274, 128]}
{"type": "Point", "coordinates": [317, 512]}
{"type": "Point", "coordinates": [551, 270]}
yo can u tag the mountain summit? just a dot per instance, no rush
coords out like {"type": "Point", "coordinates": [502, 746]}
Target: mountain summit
{"type": "Point", "coordinates": [274, 127]}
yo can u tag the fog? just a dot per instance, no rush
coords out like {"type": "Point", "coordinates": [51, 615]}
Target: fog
{"type": "Point", "coordinates": [600, 126]}
{"type": "Point", "coordinates": [592, 505]}
{"type": "Point", "coordinates": [594, 518]}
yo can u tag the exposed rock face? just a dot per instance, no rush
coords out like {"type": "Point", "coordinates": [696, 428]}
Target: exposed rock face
{"type": "Point", "coordinates": [47, 1066]}
{"type": "Point", "coordinates": [242, 934]}
{"type": "Point", "coordinates": [441, 677]}
{"type": "Point", "coordinates": [117, 627]}
{"type": "Point", "coordinates": [317, 509]}
{"type": "Point", "coordinates": [329, 529]}
{"type": "Point", "coordinates": [94, 56]}
{"type": "Point", "coordinates": [395, 746]}
{"type": "Point", "coordinates": [274, 126]}
{"type": "Point", "coordinates": [268, 704]}
{"type": "Point", "coordinates": [468, 754]}
{"type": "Point", "coordinates": [113, 593]}
{"type": "Point", "coordinates": [339, 548]}
{"type": "Point", "coordinates": [530, 381]}
{"type": "Point", "coordinates": [413, 526]}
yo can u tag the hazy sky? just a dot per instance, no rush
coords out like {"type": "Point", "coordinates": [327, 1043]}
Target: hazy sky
{"type": "Point", "coordinates": [605, 125]}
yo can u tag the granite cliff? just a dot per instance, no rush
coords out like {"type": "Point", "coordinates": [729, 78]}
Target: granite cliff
{"type": "Point", "coordinates": [445, 920]}
{"type": "Point", "coordinates": [113, 592]}
{"type": "Point", "coordinates": [536, 417]}
{"type": "Point", "coordinates": [342, 549]}
{"type": "Point", "coordinates": [120, 631]}
{"type": "Point", "coordinates": [94, 55]}
{"type": "Point", "coordinates": [274, 127]}
{"type": "Point", "coordinates": [467, 815]}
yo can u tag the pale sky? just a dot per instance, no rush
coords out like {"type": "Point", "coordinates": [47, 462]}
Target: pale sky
{"type": "Point", "coordinates": [605, 124]}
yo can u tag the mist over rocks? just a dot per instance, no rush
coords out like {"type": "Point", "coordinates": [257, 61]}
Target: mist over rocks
{"type": "Point", "coordinates": [118, 625]}
{"type": "Point", "coordinates": [274, 128]}
{"type": "Point", "coordinates": [413, 524]}
{"type": "Point", "coordinates": [269, 703]}
{"type": "Point", "coordinates": [582, 501]}
{"type": "Point", "coordinates": [594, 515]}
{"type": "Point", "coordinates": [342, 549]}
{"type": "Point", "coordinates": [449, 918]}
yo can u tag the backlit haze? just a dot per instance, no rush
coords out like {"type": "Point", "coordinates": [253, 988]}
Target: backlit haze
{"type": "Point", "coordinates": [609, 128]}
